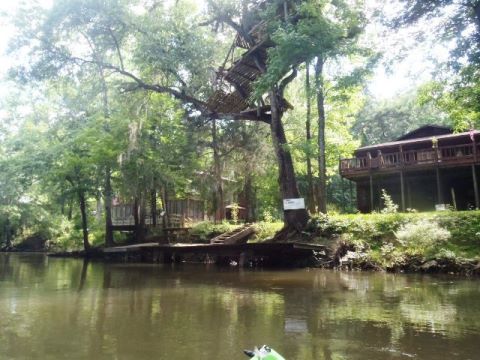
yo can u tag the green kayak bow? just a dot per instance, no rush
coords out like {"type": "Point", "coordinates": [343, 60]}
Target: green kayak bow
{"type": "Point", "coordinates": [264, 353]}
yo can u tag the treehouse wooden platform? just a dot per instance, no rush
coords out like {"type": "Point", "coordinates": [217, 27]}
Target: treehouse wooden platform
{"type": "Point", "coordinates": [236, 77]}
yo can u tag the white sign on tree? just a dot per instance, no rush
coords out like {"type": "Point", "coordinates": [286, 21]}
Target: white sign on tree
{"type": "Point", "coordinates": [293, 204]}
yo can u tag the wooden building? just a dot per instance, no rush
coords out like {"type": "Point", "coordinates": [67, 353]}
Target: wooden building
{"type": "Point", "coordinates": [422, 170]}
{"type": "Point", "coordinates": [177, 213]}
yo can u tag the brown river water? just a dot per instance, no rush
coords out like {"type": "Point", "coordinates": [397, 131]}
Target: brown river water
{"type": "Point", "coordinates": [70, 309]}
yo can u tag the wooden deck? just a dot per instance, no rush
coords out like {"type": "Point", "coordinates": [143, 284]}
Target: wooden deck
{"type": "Point", "coordinates": [421, 159]}
{"type": "Point", "coordinates": [269, 253]}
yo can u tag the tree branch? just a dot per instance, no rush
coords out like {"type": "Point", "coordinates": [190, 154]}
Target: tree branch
{"type": "Point", "coordinates": [117, 47]}
{"type": "Point", "coordinates": [287, 80]}
{"type": "Point", "coordinates": [180, 95]}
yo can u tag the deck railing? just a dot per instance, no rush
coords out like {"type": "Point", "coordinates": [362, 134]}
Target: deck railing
{"type": "Point", "coordinates": [457, 154]}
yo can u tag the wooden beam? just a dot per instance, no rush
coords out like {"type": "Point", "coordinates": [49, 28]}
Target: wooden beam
{"type": "Point", "coordinates": [402, 189]}
{"type": "Point", "coordinates": [475, 186]}
{"type": "Point", "coordinates": [254, 115]}
{"type": "Point", "coordinates": [371, 193]}
{"type": "Point", "coordinates": [439, 186]}
{"type": "Point", "coordinates": [402, 180]}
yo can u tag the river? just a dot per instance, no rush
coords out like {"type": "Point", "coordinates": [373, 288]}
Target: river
{"type": "Point", "coordinates": [70, 309]}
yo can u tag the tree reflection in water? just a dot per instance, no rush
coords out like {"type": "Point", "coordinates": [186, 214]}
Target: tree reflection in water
{"type": "Point", "coordinates": [53, 308]}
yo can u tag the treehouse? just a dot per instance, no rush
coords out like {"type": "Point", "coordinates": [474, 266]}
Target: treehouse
{"type": "Point", "coordinates": [429, 168]}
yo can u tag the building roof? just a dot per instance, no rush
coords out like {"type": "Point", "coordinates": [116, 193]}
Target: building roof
{"type": "Point", "coordinates": [426, 131]}
{"type": "Point", "coordinates": [416, 140]}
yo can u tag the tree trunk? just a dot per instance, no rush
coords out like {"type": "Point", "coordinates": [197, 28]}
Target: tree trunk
{"type": "Point", "coordinates": [311, 192]}
{"type": "Point", "coordinates": [165, 200]}
{"type": "Point", "coordinates": [153, 207]}
{"type": "Point", "coordinates": [8, 237]}
{"type": "Point", "coordinates": [248, 191]}
{"type": "Point", "coordinates": [70, 209]}
{"type": "Point", "coordinates": [322, 171]}
{"type": "Point", "coordinates": [136, 219]}
{"type": "Point", "coordinates": [254, 204]}
{"type": "Point", "coordinates": [218, 205]}
{"type": "Point", "coordinates": [139, 218]}
{"type": "Point", "coordinates": [142, 214]}
{"type": "Point", "coordinates": [98, 207]}
{"type": "Point", "coordinates": [108, 171]}
{"type": "Point", "coordinates": [295, 220]}
{"type": "Point", "coordinates": [83, 212]}
{"type": "Point", "coordinates": [108, 208]}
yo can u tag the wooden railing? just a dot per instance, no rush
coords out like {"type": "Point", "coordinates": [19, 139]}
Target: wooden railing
{"type": "Point", "coordinates": [178, 212]}
{"type": "Point", "coordinates": [458, 154]}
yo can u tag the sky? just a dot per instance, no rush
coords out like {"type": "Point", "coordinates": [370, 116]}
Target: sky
{"type": "Point", "coordinates": [392, 77]}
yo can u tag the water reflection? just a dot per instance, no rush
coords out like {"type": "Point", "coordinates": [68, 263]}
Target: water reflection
{"type": "Point", "coordinates": [57, 308]}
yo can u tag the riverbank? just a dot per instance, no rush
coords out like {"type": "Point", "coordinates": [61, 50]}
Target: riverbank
{"type": "Point", "coordinates": [436, 242]}
{"type": "Point", "coordinates": [447, 242]}
{"type": "Point", "coordinates": [433, 242]}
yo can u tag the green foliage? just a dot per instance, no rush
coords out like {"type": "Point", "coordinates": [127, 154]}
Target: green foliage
{"type": "Point", "coordinates": [321, 28]}
{"type": "Point", "coordinates": [206, 230]}
{"type": "Point", "coordinates": [84, 119]}
{"type": "Point", "coordinates": [459, 101]}
{"type": "Point", "coordinates": [265, 230]}
{"type": "Point", "coordinates": [381, 121]}
{"type": "Point", "coordinates": [234, 212]}
{"type": "Point", "coordinates": [389, 206]}
{"type": "Point", "coordinates": [392, 241]}
{"type": "Point", "coordinates": [422, 235]}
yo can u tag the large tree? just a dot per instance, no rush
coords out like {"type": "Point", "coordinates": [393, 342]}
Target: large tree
{"type": "Point", "coordinates": [325, 33]}
{"type": "Point", "coordinates": [163, 49]}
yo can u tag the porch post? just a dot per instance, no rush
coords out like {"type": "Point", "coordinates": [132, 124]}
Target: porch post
{"type": "Point", "coordinates": [402, 189]}
{"type": "Point", "coordinates": [475, 186]}
{"type": "Point", "coordinates": [409, 195]}
{"type": "Point", "coordinates": [402, 182]}
{"type": "Point", "coordinates": [371, 193]}
{"type": "Point", "coordinates": [474, 170]}
{"type": "Point", "coordinates": [439, 187]}
{"type": "Point", "coordinates": [351, 193]}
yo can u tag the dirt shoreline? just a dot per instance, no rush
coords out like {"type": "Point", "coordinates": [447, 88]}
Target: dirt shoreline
{"type": "Point", "coordinates": [350, 262]}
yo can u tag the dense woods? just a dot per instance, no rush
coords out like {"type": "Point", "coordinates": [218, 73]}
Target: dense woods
{"type": "Point", "coordinates": [108, 103]}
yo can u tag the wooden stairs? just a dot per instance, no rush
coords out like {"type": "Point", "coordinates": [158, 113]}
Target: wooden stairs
{"type": "Point", "coordinates": [237, 75]}
{"type": "Point", "coordinates": [245, 63]}
{"type": "Point", "coordinates": [237, 236]}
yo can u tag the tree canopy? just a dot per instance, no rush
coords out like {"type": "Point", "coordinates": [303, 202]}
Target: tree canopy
{"type": "Point", "coordinates": [111, 103]}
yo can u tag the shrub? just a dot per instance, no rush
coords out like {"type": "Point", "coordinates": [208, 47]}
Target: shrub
{"type": "Point", "coordinates": [422, 234]}
{"type": "Point", "coordinates": [266, 230]}
{"type": "Point", "coordinates": [205, 230]}
{"type": "Point", "coordinates": [234, 211]}
{"type": "Point", "coordinates": [326, 225]}
{"type": "Point", "coordinates": [445, 254]}
{"type": "Point", "coordinates": [390, 206]}
{"type": "Point", "coordinates": [267, 216]}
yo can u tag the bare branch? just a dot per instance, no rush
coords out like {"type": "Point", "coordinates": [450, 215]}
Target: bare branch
{"type": "Point", "coordinates": [117, 47]}
{"type": "Point", "coordinates": [180, 95]}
